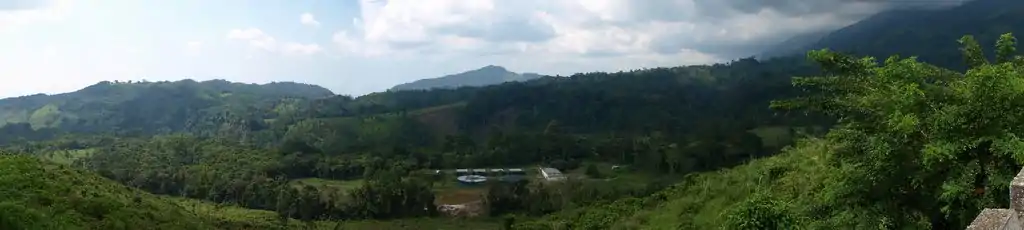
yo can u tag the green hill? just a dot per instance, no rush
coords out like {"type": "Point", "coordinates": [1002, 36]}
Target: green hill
{"type": "Point", "coordinates": [40, 195]}
{"type": "Point", "coordinates": [146, 108]}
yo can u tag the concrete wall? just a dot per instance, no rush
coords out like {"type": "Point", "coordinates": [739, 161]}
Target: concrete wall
{"type": "Point", "coordinates": [1004, 219]}
{"type": "Point", "coordinates": [996, 219]}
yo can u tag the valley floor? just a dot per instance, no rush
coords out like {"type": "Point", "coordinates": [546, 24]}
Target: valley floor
{"type": "Point", "coordinates": [233, 217]}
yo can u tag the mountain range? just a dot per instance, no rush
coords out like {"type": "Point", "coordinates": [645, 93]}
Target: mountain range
{"type": "Point", "coordinates": [697, 147]}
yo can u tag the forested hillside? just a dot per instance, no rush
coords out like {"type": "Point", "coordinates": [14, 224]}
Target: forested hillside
{"type": "Point", "coordinates": [917, 147]}
{"type": "Point", "coordinates": [344, 158]}
{"type": "Point", "coordinates": [929, 34]}
{"type": "Point", "coordinates": [370, 158]}
{"type": "Point", "coordinates": [148, 108]}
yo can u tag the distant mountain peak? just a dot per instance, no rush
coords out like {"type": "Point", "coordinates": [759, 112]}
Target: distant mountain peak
{"type": "Point", "coordinates": [493, 67]}
{"type": "Point", "coordinates": [487, 75]}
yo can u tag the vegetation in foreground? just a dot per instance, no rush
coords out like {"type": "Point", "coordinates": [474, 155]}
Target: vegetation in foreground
{"type": "Point", "coordinates": [41, 195]}
{"type": "Point", "coordinates": [917, 147]}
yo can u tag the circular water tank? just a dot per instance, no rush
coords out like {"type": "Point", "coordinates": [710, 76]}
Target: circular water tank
{"type": "Point", "coordinates": [472, 179]}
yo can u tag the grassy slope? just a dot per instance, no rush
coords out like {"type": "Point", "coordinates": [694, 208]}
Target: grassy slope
{"type": "Point", "coordinates": [40, 195]}
{"type": "Point", "coordinates": [794, 176]}
{"type": "Point", "coordinates": [67, 157]}
{"type": "Point", "coordinates": [703, 201]}
{"type": "Point", "coordinates": [233, 217]}
{"type": "Point", "coordinates": [37, 194]}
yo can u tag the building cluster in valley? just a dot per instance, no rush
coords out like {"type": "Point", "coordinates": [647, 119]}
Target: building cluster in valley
{"type": "Point", "coordinates": [479, 176]}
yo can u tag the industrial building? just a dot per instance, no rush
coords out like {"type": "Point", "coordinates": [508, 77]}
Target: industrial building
{"type": "Point", "coordinates": [552, 174]}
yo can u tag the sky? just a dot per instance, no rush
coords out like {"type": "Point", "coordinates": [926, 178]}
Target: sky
{"type": "Point", "coordinates": [355, 47]}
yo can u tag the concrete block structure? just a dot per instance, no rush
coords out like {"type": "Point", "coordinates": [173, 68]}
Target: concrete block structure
{"type": "Point", "coordinates": [1004, 219]}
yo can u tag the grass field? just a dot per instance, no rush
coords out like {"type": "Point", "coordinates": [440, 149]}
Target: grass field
{"type": "Point", "coordinates": [46, 116]}
{"type": "Point", "coordinates": [341, 185]}
{"type": "Point", "coordinates": [774, 136]}
{"type": "Point", "coordinates": [67, 157]}
{"type": "Point", "coordinates": [449, 191]}
{"type": "Point", "coordinates": [328, 188]}
{"type": "Point", "coordinates": [233, 217]}
{"type": "Point", "coordinates": [441, 223]}
{"type": "Point", "coordinates": [228, 216]}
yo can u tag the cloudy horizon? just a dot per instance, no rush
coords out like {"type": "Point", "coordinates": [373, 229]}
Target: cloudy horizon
{"type": "Point", "coordinates": [356, 47]}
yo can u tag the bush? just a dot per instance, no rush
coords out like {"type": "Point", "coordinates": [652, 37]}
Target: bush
{"type": "Point", "coordinates": [761, 212]}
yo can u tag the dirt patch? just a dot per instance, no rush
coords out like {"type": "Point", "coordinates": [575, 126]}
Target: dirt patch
{"type": "Point", "coordinates": [459, 196]}
{"type": "Point", "coordinates": [472, 209]}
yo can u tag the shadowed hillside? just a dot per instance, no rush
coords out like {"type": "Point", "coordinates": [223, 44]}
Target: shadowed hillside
{"type": "Point", "coordinates": [488, 75]}
{"type": "Point", "coordinates": [929, 34]}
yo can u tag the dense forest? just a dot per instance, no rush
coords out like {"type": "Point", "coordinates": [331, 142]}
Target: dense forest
{"type": "Point", "coordinates": [708, 118]}
{"type": "Point", "coordinates": [826, 140]}
{"type": "Point", "coordinates": [916, 147]}
{"type": "Point", "coordinates": [313, 158]}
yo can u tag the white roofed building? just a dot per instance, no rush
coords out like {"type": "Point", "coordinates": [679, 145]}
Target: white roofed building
{"type": "Point", "coordinates": [552, 174]}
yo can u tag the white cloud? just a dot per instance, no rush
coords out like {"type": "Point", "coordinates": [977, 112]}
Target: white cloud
{"type": "Point", "coordinates": [542, 28]}
{"type": "Point", "coordinates": [354, 45]}
{"type": "Point", "coordinates": [699, 30]}
{"type": "Point", "coordinates": [308, 19]}
{"type": "Point", "coordinates": [194, 48]}
{"type": "Point", "coordinates": [132, 50]}
{"type": "Point", "coordinates": [346, 43]}
{"type": "Point", "coordinates": [293, 48]}
{"type": "Point", "coordinates": [257, 39]}
{"type": "Point", "coordinates": [16, 17]}
{"type": "Point", "coordinates": [49, 52]}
